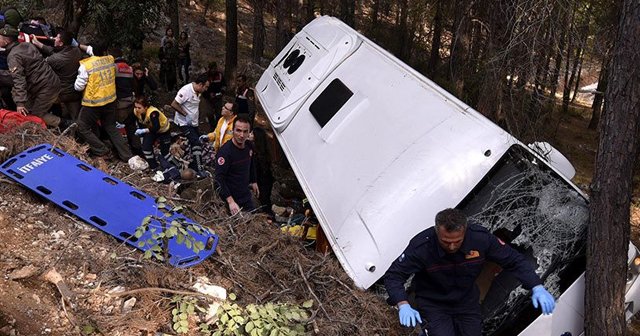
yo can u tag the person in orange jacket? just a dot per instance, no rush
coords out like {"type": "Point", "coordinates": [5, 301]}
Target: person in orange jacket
{"type": "Point", "coordinates": [223, 131]}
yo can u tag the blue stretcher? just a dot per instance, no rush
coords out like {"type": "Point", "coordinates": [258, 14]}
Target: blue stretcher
{"type": "Point", "coordinates": [101, 200]}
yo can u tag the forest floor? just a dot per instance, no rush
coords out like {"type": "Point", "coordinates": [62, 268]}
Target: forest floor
{"type": "Point", "coordinates": [64, 277]}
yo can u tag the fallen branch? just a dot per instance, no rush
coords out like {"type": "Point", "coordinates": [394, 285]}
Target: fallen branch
{"type": "Point", "coordinates": [276, 281]}
{"type": "Point", "coordinates": [311, 290]}
{"type": "Point", "coordinates": [160, 289]}
{"type": "Point", "coordinates": [65, 132]}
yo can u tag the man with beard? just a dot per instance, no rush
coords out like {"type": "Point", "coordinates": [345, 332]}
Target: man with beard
{"type": "Point", "coordinates": [235, 169]}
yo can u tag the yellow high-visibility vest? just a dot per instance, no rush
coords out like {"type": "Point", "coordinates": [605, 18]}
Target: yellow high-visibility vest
{"type": "Point", "coordinates": [146, 121]}
{"type": "Point", "coordinates": [101, 87]}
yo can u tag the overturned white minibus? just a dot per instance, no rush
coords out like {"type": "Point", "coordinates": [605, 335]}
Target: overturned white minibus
{"type": "Point", "coordinates": [379, 149]}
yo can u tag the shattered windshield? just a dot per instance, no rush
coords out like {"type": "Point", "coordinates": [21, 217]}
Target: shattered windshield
{"type": "Point", "coordinates": [525, 203]}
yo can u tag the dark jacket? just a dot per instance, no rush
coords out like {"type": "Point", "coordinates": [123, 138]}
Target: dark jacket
{"type": "Point", "coordinates": [65, 63]}
{"type": "Point", "coordinates": [31, 74]}
{"type": "Point", "coordinates": [235, 170]}
{"type": "Point", "coordinates": [124, 79]}
{"type": "Point", "coordinates": [138, 84]}
{"type": "Point", "coordinates": [449, 279]}
{"type": "Point", "coordinates": [217, 85]}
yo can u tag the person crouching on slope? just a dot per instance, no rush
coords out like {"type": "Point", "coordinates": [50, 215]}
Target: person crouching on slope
{"type": "Point", "coordinates": [155, 126]}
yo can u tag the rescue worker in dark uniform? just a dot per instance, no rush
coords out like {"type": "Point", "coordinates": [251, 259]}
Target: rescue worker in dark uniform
{"type": "Point", "coordinates": [96, 76]}
{"type": "Point", "coordinates": [124, 100]}
{"type": "Point", "coordinates": [235, 169]}
{"type": "Point", "coordinates": [35, 85]}
{"type": "Point", "coordinates": [64, 59]}
{"type": "Point", "coordinates": [446, 260]}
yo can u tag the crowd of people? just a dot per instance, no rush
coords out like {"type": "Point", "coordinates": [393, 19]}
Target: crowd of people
{"type": "Point", "coordinates": [97, 89]}
{"type": "Point", "coordinates": [45, 72]}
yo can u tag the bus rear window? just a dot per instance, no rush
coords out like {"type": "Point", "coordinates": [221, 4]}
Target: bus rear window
{"type": "Point", "coordinates": [330, 101]}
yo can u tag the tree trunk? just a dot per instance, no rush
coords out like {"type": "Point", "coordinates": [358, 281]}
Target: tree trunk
{"type": "Point", "coordinates": [608, 233]}
{"type": "Point", "coordinates": [596, 108]}
{"type": "Point", "coordinates": [495, 69]}
{"type": "Point", "coordinates": [173, 11]}
{"type": "Point", "coordinates": [566, 89]}
{"type": "Point", "coordinates": [576, 85]}
{"type": "Point", "coordinates": [283, 24]}
{"type": "Point", "coordinates": [375, 12]}
{"type": "Point", "coordinates": [569, 77]}
{"type": "Point", "coordinates": [459, 49]}
{"type": "Point", "coordinates": [402, 29]}
{"type": "Point", "coordinates": [231, 38]}
{"type": "Point", "coordinates": [561, 42]}
{"type": "Point", "coordinates": [257, 49]}
{"type": "Point", "coordinates": [207, 4]}
{"type": "Point", "coordinates": [308, 11]}
{"type": "Point", "coordinates": [436, 40]}
{"type": "Point", "coordinates": [348, 12]}
{"type": "Point", "coordinates": [584, 33]}
{"type": "Point", "coordinates": [74, 13]}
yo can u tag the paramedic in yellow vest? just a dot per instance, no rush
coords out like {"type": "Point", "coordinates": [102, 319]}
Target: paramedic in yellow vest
{"type": "Point", "coordinates": [97, 77]}
{"type": "Point", "coordinates": [155, 126]}
{"type": "Point", "coordinates": [224, 129]}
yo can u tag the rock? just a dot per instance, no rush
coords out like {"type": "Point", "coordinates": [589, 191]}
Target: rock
{"type": "Point", "coordinates": [7, 330]}
{"type": "Point", "coordinates": [107, 310]}
{"type": "Point", "coordinates": [117, 289]}
{"type": "Point", "coordinates": [138, 163]}
{"type": "Point", "coordinates": [203, 286]}
{"type": "Point", "coordinates": [90, 276]}
{"type": "Point", "coordinates": [58, 234]}
{"type": "Point", "coordinates": [128, 305]}
{"type": "Point", "coordinates": [24, 272]}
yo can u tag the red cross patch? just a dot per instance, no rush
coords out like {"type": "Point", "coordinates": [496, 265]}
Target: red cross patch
{"type": "Point", "coordinates": [221, 162]}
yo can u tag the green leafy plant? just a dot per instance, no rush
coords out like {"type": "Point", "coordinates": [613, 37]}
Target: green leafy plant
{"type": "Point", "coordinates": [162, 230]}
{"type": "Point", "coordinates": [270, 319]}
{"type": "Point", "coordinates": [184, 312]}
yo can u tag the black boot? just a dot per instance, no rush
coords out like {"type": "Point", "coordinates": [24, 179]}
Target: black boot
{"type": "Point", "coordinates": [65, 123]}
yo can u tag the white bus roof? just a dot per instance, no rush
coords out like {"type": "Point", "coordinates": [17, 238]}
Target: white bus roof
{"type": "Point", "coordinates": [378, 148]}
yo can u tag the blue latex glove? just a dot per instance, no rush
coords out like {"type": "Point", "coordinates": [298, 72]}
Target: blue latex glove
{"type": "Point", "coordinates": [142, 131]}
{"type": "Point", "coordinates": [408, 316]}
{"type": "Point", "coordinates": [544, 299]}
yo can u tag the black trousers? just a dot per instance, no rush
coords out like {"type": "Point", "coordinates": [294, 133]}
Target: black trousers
{"type": "Point", "coordinates": [89, 116]}
{"type": "Point", "coordinates": [451, 320]}
{"type": "Point", "coordinates": [124, 115]}
{"type": "Point", "coordinates": [164, 141]}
